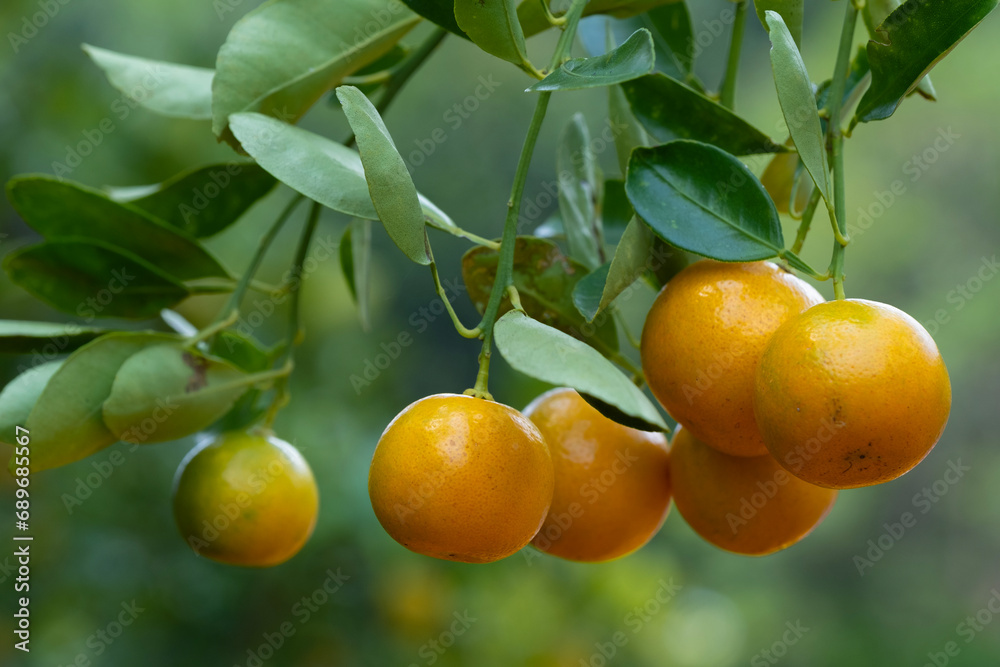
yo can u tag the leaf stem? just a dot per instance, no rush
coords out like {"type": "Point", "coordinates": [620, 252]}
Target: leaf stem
{"type": "Point", "coordinates": [552, 19]}
{"type": "Point", "coordinates": [835, 139]}
{"type": "Point", "coordinates": [462, 330]}
{"type": "Point", "coordinates": [727, 95]}
{"type": "Point", "coordinates": [236, 298]}
{"type": "Point", "coordinates": [505, 262]}
{"type": "Point", "coordinates": [281, 396]}
{"type": "Point", "coordinates": [807, 216]}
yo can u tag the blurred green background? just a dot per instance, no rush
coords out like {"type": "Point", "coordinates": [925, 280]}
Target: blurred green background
{"type": "Point", "coordinates": [396, 608]}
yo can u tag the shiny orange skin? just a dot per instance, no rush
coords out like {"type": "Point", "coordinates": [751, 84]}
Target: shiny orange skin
{"type": "Point", "coordinates": [851, 393]}
{"type": "Point", "coordinates": [461, 478]}
{"type": "Point", "coordinates": [245, 498]}
{"type": "Point", "coordinates": [612, 490]}
{"type": "Point", "coordinates": [702, 341]}
{"type": "Point", "coordinates": [745, 504]}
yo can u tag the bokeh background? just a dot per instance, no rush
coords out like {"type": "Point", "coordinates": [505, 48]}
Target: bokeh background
{"type": "Point", "coordinates": [120, 545]}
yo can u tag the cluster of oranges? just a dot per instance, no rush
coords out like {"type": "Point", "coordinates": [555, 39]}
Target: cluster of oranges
{"type": "Point", "coordinates": [781, 399]}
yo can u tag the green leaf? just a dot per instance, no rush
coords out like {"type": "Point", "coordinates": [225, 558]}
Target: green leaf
{"type": "Point", "coordinates": [166, 392]}
{"type": "Point", "coordinates": [629, 61]}
{"type": "Point", "coordinates": [63, 210]}
{"type": "Point", "coordinates": [321, 169]}
{"type": "Point", "coordinates": [244, 352]}
{"type": "Point", "coordinates": [282, 56]}
{"type": "Point", "coordinates": [441, 12]}
{"type": "Point", "coordinates": [790, 11]}
{"type": "Point", "coordinates": [355, 262]}
{"type": "Point", "coordinates": [545, 279]}
{"type": "Point", "coordinates": [19, 397]}
{"type": "Point", "coordinates": [203, 201]}
{"type": "Point", "coordinates": [580, 192]}
{"type": "Point", "coordinates": [700, 198]}
{"type": "Point", "coordinates": [493, 26]}
{"type": "Point", "coordinates": [629, 133]}
{"type": "Point", "coordinates": [178, 91]}
{"type": "Point", "coordinates": [18, 337]}
{"type": "Point", "coordinates": [66, 423]}
{"type": "Point", "coordinates": [911, 40]}
{"type": "Point", "coordinates": [798, 104]}
{"type": "Point", "coordinates": [670, 110]}
{"type": "Point", "coordinates": [389, 183]}
{"type": "Point", "coordinates": [616, 209]}
{"type": "Point", "coordinates": [598, 290]}
{"type": "Point", "coordinates": [550, 355]}
{"type": "Point", "coordinates": [92, 279]}
{"type": "Point", "coordinates": [876, 11]}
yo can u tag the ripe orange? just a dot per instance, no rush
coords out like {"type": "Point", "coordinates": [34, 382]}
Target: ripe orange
{"type": "Point", "coordinates": [612, 483]}
{"type": "Point", "coordinates": [461, 478]}
{"type": "Point", "coordinates": [703, 338]}
{"type": "Point", "coordinates": [851, 393]}
{"type": "Point", "coordinates": [245, 498]}
{"type": "Point", "coordinates": [745, 504]}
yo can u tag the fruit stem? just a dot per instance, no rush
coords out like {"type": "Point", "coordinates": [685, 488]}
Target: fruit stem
{"type": "Point", "coordinates": [807, 216]}
{"type": "Point", "coordinates": [505, 262]}
{"type": "Point", "coordinates": [835, 139]}
{"type": "Point", "coordinates": [727, 95]}
{"type": "Point", "coordinates": [265, 242]}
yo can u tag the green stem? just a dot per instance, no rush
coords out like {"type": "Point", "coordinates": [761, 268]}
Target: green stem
{"type": "Point", "coordinates": [236, 298]}
{"type": "Point", "coordinates": [807, 217]}
{"type": "Point", "coordinates": [462, 330]}
{"type": "Point", "coordinates": [835, 138]}
{"type": "Point", "coordinates": [405, 71]}
{"type": "Point", "coordinates": [553, 20]}
{"type": "Point", "coordinates": [281, 396]}
{"type": "Point", "coordinates": [727, 95]}
{"type": "Point", "coordinates": [505, 262]}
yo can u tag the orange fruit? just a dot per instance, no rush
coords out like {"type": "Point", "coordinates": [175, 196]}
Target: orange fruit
{"type": "Point", "coordinates": [851, 393]}
{"type": "Point", "coordinates": [745, 504]}
{"type": "Point", "coordinates": [612, 482]}
{"type": "Point", "coordinates": [461, 478]}
{"type": "Point", "coordinates": [703, 338]}
{"type": "Point", "coordinates": [245, 498]}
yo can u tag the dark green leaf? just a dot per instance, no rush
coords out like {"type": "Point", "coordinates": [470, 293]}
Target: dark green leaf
{"type": "Point", "coordinates": [66, 423]}
{"type": "Point", "coordinates": [441, 12]}
{"type": "Point", "coordinates": [791, 12]}
{"type": "Point", "coordinates": [90, 279]}
{"type": "Point", "coordinates": [18, 337]}
{"type": "Point", "coordinates": [670, 110]}
{"type": "Point", "coordinates": [700, 198]}
{"type": "Point", "coordinates": [493, 26]}
{"type": "Point", "coordinates": [173, 90]}
{"type": "Point", "coordinates": [629, 61]}
{"type": "Point", "coordinates": [203, 201]}
{"type": "Point", "coordinates": [166, 392]}
{"type": "Point", "coordinates": [550, 355]}
{"type": "Point", "coordinates": [616, 210]}
{"type": "Point", "coordinates": [876, 11]}
{"type": "Point", "coordinates": [580, 193]}
{"type": "Point", "coordinates": [911, 40]}
{"type": "Point", "coordinates": [283, 55]}
{"type": "Point", "coordinates": [389, 183]}
{"type": "Point", "coordinates": [321, 169]}
{"type": "Point", "coordinates": [544, 279]}
{"type": "Point", "coordinates": [19, 397]}
{"type": "Point", "coordinates": [62, 210]}
{"type": "Point", "coordinates": [798, 104]}
{"type": "Point", "coordinates": [632, 258]}
{"type": "Point", "coordinates": [355, 262]}
{"type": "Point", "coordinates": [673, 37]}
